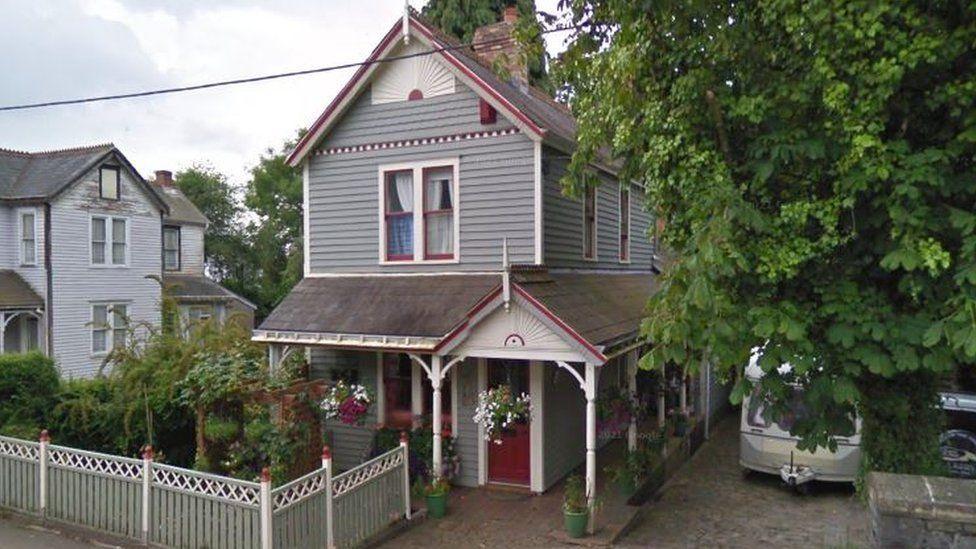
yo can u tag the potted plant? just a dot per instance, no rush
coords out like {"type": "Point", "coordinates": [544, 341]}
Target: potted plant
{"type": "Point", "coordinates": [622, 477]}
{"type": "Point", "coordinates": [575, 510]}
{"type": "Point", "coordinates": [436, 494]}
{"type": "Point", "coordinates": [499, 410]}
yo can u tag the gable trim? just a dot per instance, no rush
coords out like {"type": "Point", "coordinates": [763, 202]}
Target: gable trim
{"type": "Point", "coordinates": [355, 85]}
{"type": "Point", "coordinates": [114, 153]}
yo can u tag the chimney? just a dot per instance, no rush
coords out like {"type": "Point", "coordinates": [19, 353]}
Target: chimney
{"type": "Point", "coordinates": [164, 178]}
{"type": "Point", "coordinates": [501, 50]}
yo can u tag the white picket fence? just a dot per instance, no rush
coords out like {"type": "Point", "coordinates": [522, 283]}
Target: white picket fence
{"type": "Point", "coordinates": [169, 506]}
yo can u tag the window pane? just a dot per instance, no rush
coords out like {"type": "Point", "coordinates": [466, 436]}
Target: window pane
{"type": "Point", "coordinates": [399, 235]}
{"type": "Point", "coordinates": [109, 186]}
{"type": "Point", "coordinates": [399, 192]}
{"type": "Point", "coordinates": [100, 316]}
{"type": "Point", "coordinates": [27, 222]}
{"type": "Point", "coordinates": [98, 240]}
{"type": "Point", "coordinates": [440, 233]}
{"type": "Point", "coordinates": [120, 317]}
{"type": "Point", "coordinates": [118, 241]}
{"type": "Point", "coordinates": [118, 254]}
{"type": "Point", "coordinates": [99, 331]}
{"type": "Point", "coordinates": [438, 189]}
{"type": "Point", "coordinates": [29, 252]}
{"type": "Point", "coordinates": [99, 341]}
{"type": "Point", "coordinates": [172, 260]}
{"type": "Point", "coordinates": [171, 238]}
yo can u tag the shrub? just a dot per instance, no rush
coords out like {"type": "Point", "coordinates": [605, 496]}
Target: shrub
{"type": "Point", "coordinates": [28, 390]}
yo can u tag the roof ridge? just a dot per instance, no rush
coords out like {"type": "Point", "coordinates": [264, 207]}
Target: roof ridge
{"type": "Point", "coordinates": [79, 149]}
{"type": "Point", "coordinates": [14, 151]}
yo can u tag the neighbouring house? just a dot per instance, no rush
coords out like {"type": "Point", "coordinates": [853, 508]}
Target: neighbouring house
{"type": "Point", "coordinates": [81, 253]}
{"type": "Point", "coordinates": [442, 258]}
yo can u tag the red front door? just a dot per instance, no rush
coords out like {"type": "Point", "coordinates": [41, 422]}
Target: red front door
{"type": "Point", "coordinates": [508, 462]}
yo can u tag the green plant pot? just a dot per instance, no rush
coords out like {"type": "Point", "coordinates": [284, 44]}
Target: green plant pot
{"type": "Point", "coordinates": [436, 505]}
{"type": "Point", "coordinates": [575, 523]}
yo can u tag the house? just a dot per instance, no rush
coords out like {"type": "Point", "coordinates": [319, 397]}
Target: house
{"type": "Point", "coordinates": [441, 259]}
{"type": "Point", "coordinates": [81, 258]}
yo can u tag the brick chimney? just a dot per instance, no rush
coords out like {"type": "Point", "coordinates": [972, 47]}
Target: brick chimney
{"type": "Point", "coordinates": [502, 48]}
{"type": "Point", "coordinates": [164, 178]}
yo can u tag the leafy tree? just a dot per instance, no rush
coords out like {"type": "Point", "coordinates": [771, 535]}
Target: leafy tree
{"type": "Point", "coordinates": [460, 18]}
{"type": "Point", "coordinates": [217, 199]}
{"type": "Point", "coordinates": [814, 164]}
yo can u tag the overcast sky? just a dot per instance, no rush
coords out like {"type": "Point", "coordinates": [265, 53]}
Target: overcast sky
{"type": "Point", "coordinates": [62, 49]}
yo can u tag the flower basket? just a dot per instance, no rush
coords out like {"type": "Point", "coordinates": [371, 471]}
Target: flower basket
{"type": "Point", "coordinates": [500, 410]}
{"type": "Point", "coordinates": [348, 403]}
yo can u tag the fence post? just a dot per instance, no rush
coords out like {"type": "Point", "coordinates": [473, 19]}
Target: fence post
{"type": "Point", "coordinates": [406, 474]}
{"type": "Point", "coordinates": [42, 471]}
{"type": "Point", "coordinates": [329, 512]}
{"type": "Point", "coordinates": [147, 459]}
{"type": "Point", "coordinates": [266, 512]}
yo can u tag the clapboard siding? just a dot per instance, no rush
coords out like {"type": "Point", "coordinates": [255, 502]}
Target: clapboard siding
{"type": "Point", "coordinates": [191, 249]}
{"type": "Point", "coordinates": [10, 234]}
{"type": "Point", "coordinates": [467, 441]}
{"type": "Point", "coordinates": [495, 197]}
{"type": "Point", "coordinates": [77, 284]}
{"type": "Point", "coordinates": [563, 223]}
{"type": "Point", "coordinates": [350, 443]}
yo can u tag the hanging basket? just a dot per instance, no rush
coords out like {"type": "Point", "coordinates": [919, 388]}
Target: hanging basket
{"type": "Point", "coordinates": [500, 410]}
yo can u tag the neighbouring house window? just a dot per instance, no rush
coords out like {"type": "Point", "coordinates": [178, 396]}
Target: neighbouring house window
{"type": "Point", "coordinates": [109, 326]}
{"type": "Point", "coordinates": [419, 212]}
{"type": "Point", "coordinates": [109, 240]}
{"type": "Point", "coordinates": [589, 223]}
{"type": "Point", "coordinates": [28, 238]}
{"type": "Point", "coordinates": [108, 182]}
{"type": "Point", "coordinates": [398, 390]}
{"type": "Point", "coordinates": [439, 213]}
{"type": "Point", "coordinates": [624, 224]}
{"type": "Point", "coordinates": [171, 248]}
{"type": "Point", "coordinates": [399, 215]}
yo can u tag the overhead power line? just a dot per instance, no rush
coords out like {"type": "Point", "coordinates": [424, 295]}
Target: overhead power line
{"type": "Point", "coordinates": [263, 78]}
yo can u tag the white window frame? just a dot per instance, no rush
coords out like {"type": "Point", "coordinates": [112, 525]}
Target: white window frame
{"type": "Point", "coordinates": [596, 225]}
{"type": "Point", "coordinates": [110, 321]}
{"type": "Point", "coordinates": [419, 233]}
{"type": "Point", "coordinates": [620, 223]}
{"type": "Point", "coordinates": [20, 236]}
{"type": "Point", "coordinates": [118, 182]}
{"type": "Point", "coordinates": [109, 241]}
{"type": "Point", "coordinates": [179, 248]}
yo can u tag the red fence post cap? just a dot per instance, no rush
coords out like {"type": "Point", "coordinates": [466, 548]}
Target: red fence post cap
{"type": "Point", "coordinates": [403, 437]}
{"type": "Point", "coordinates": [265, 475]}
{"type": "Point", "coordinates": [326, 452]}
{"type": "Point", "coordinates": [147, 451]}
{"type": "Point", "coordinates": [45, 436]}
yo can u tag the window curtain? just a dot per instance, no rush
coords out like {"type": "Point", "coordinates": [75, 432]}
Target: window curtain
{"type": "Point", "coordinates": [399, 229]}
{"type": "Point", "coordinates": [439, 200]}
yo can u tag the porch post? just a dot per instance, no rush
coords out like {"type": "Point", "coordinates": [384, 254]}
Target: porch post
{"type": "Point", "coordinates": [274, 357]}
{"type": "Point", "coordinates": [3, 330]}
{"type": "Point", "coordinates": [590, 390]}
{"type": "Point", "coordinates": [632, 389]}
{"type": "Point", "coordinates": [436, 379]}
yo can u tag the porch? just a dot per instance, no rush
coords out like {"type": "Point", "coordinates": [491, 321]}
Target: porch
{"type": "Point", "coordinates": [21, 316]}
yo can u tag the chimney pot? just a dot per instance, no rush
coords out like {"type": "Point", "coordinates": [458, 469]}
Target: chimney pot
{"type": "Point", "coordinates": [164, 178]}
{"type": "Point", "coordinates": [510, 15]}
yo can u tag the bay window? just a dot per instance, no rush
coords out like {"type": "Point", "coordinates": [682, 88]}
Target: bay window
{"type": "Point", "coordinates": [109, 240]}
{"type": "Point", "coordinates": [419, 212]}
{"type": "Point", "coordinates": [589, 223]}
{"type": "Point", "coordinates": [624, 224]}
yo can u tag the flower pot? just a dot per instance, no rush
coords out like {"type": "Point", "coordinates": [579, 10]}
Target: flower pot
{"type": "Point", "coordinates": [575, 523]}
{"type": "Point", "coordinates": [436, 505]}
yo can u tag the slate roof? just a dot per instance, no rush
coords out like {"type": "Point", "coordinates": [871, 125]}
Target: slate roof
{"type": "Point", "coordinates": [42, 175]}
{"type": "Point", "coordinates": [190, 287]}
{"type": "Point", "coordinates": [603, 308]}
{"type": "Point", "coordinates": [16, 293]}
{"type": "Point", "coordinates": [181, 210]}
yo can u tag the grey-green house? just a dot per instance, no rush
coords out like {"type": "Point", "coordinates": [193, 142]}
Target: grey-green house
{"type": "Point", "coordinates": [441, 258]}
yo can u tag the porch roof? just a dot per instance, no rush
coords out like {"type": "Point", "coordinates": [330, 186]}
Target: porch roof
{"type": "Point", "coordinates": [199, 288]}
{"type": "Point", "coordinates": [603, 309]}
{"type": "Point", "coordinates": [16, 293]}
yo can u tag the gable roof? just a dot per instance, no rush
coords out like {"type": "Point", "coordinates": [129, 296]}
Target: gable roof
{"type": "Point", "coordinates": [44, 175]}
{"type": "Point", "coordinates": [530, 108]}
{"type": "Point", "coordinates": [181, 209]}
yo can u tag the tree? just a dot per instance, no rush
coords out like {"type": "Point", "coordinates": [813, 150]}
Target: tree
{"type": "Point", "coordinates": [460, 18]}
{"type": "Point", "coordinates": [814, 164]}
{"type": "Point", "coordinates": [217, 199]}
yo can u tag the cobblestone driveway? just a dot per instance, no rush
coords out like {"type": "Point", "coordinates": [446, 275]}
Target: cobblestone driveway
{"type": "Point", "coordinates": [709, 502]}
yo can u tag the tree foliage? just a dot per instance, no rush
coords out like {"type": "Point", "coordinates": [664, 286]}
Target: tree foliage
{"type": "Point", "coordinates": [814, 164]}
{"type": "Point", "coordinates": [460, 18]}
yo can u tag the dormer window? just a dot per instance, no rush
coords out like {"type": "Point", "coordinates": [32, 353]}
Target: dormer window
{"type": "Point", "coordinates": [419, 212]}
{"type": "Point", "coordinates": [108, 182]}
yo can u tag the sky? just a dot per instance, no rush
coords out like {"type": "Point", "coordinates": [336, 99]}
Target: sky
{"type": "Point", "coordinates": [65, 49]}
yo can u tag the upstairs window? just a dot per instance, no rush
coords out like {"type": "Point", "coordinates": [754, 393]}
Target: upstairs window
{"type": "Point", "coordinates": [171, 248]}
{"type": "Point", "coordinates": [108, 182]}
{"type": "Point", "coordinates": [589, 224]}
{"type": "Point", "coordinates": [399, 215]}
{"type": "Point", "coordinates": [419, 212]}
{"type": "Point", "coordinates": [28, 238]}
{"type": "Point", "coordinates": [439, 213]}
{"type": "Point", "coordinates": [109, 241]}
{"type": "Point", "coordinates": [625, 224]}
{"type": "Point", "coordinates": [109, 327]}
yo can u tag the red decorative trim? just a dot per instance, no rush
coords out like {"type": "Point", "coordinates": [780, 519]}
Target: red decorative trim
{"type": "Point", "coordinates": [392, 34]}
{"type": "Point", "coordinates": [417, 142]}
{"type": "Point", "coordinates": [415, 95]}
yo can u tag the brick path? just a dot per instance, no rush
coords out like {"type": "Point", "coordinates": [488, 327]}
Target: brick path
{"type": "Point", "coordinates": [707, 503]}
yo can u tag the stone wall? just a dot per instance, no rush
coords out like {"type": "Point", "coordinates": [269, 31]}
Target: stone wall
{"type": "Point", "coordinates": [918, 511]}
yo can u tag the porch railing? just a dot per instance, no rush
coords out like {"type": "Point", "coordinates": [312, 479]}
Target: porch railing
{"type": "Point", "coordinates": [169, 506]}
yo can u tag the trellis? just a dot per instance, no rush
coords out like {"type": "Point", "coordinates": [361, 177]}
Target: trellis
{"type": "Point", "coordinates": [170, 506]}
